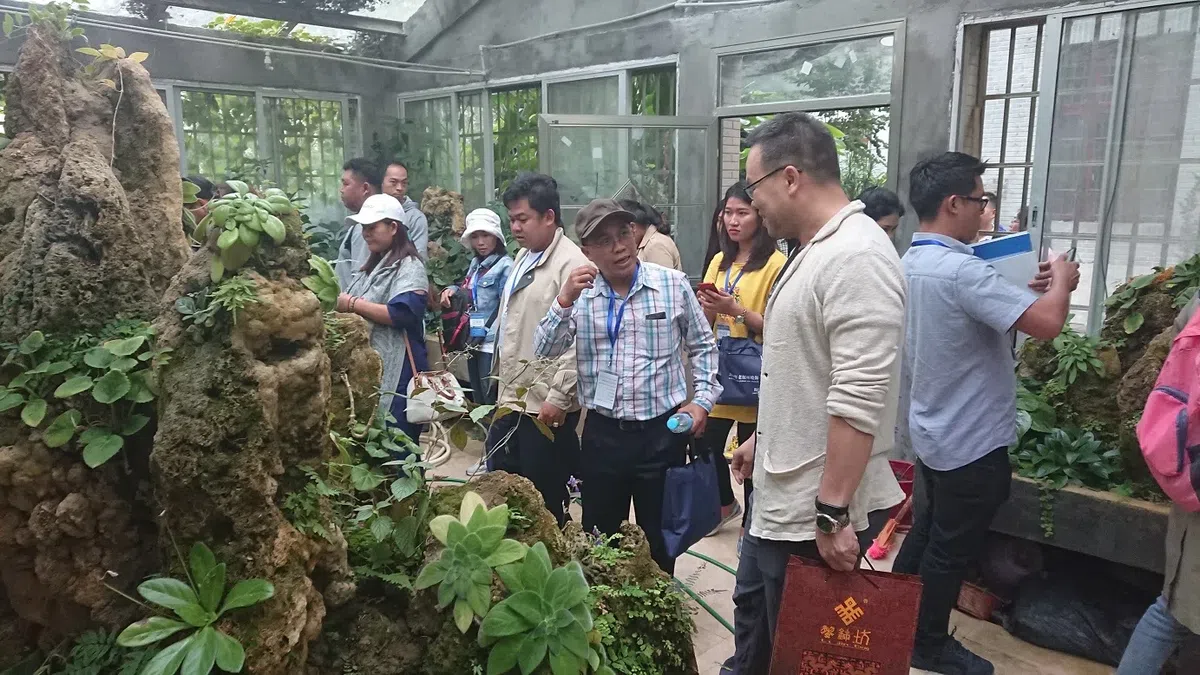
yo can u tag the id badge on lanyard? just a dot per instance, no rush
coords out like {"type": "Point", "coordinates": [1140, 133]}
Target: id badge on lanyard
{"type": "Point", "coordinates": [479, 325]}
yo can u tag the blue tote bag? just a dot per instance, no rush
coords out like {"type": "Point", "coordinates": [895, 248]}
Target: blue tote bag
{"type": "Point", "coordinates": [739, 370]}
{"type": "Point", "coordinates": [691, 503]}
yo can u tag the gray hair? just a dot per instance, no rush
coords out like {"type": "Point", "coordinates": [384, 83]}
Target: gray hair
{"type": "Point", "coordinates": [799, 140]}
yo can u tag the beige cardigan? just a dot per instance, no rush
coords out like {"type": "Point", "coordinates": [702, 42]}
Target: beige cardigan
{"type": "Point", "coordinates": [523, 379]}
{"type": "Point", "coordinates": [834, 326]}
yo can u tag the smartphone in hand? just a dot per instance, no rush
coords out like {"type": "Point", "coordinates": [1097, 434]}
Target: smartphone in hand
{"type": "Point", "coordinates": [707, 286]}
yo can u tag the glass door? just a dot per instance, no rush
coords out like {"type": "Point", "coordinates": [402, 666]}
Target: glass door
{"type": "Point", "coordinates": [1120, 175]}
{"type": "Point", "coordinates": [670, 162]}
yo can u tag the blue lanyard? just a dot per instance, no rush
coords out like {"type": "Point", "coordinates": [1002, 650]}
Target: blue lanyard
{"type": "Point", "coordinates": [730, 288]}
{"type": "Point", "coordinates": [614, 323]}
{"type": "Point", "coordinates": [930, 242]}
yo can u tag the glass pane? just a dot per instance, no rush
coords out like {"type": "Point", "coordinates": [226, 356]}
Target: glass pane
{"type": "Point", "coordinates": [471, 148]}
{"type": "Point", "coordinates": [652, 91]}
{"type": "Point", "coordinates": [429, 144]}
{"type": "Point", "coordinates": [514, 133]}
{"type": "Point", "coordinates": [591, 162]}
{"type": "Point", "coordinates": [220, 133]}
{"type": "Point", "coordinates": [846, 68]}
{"type": "Point", "coordinates": [1026, 47]}
{"type": "Point", "coordinates": [597, 96]}
{"type": "Point", "coordinates": [999, 43]}
{"type": "Point", "coordinates": [862, 144]}
{"type": "Point", "coordinates": [1157, 199]}
{"type": "Point", "coordinates": [308, 148]}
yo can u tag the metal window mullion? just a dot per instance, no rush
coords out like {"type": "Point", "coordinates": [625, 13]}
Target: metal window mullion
{"type": "Point", "coordinates": [175, 110]}
{"type": "Point", "coordinates": [895, 105]}
{"type": "Point", "coordinates": [489, 147]}
{"type": "Point", "coordinates": [262, 129]}
{"type": "Point", "coordinates": [1112, 165]}
{"type": "Point", "coordinates": [1047, 85]}
{"type": "Point", "coordinates": [455, 148]}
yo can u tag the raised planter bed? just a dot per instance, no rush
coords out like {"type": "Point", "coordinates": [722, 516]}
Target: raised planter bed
{"type": "Point", "coordinates": [1101, 524]}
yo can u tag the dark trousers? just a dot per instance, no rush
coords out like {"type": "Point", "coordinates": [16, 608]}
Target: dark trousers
{"type": "Point", "coordinates": [622, 462]}
{"type": "Point", "coordinates": [716, 433]}
{"type": "Point", "coordinates": [546, 463]}
{"type": "Point", "coordinates": [952, 513]}
{"type": "Point", "coordinates": [758, 593]}
{"type": "Point", "coordinates": [483, 387]}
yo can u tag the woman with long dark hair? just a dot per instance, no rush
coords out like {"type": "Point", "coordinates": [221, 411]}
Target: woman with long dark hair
{"type": "Point", "coordinates": [743, 272]}
{"type": "Point", "coordinates": [390, 291]}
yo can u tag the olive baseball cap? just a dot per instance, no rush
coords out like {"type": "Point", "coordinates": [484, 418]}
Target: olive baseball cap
{"type": "Point", "coordinates": [599, 210]}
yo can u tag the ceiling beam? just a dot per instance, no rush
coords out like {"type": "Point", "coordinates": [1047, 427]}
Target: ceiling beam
{"type": "Point", "coordinates": [286, 12]}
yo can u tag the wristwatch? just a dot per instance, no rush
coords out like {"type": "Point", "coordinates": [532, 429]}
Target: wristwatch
{"type": "Point", "coordinates": [740, 319]}
{"type": "Point", "coordinates": [832, 519]}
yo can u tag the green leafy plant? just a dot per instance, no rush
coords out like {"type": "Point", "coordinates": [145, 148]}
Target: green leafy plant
{"type": "Point", "coordinates": [335, 331]}
{"type": "Point", "coordinates": [1127, 295]}
{"type": "Point", "coordinates": [199, 314]}
{"type": "Point", "coordinates": [200, 603]}
{"type": "Point", "coordinates": [57, 16]}
{"type": "Point", "coordinates": [635, 624]}
{"type": "Point", "coordinates": [323, 282]}
{"type": "Point", "coordinates": [1185, 280]}
{"type": "Point", "coordinates": [546, 618]}
{"type": "Point", "coordinates": [1076, 354]}
{"type": "Point", "coordinates": [269, 28]}
{"type": "Point", "coordinates": [191, 195]}
{"type": "Point", "coordinates": [1034, 413]}
{"type": "Point", "coordinates": [1066, 458]}
{"type": "Point", "coordinates": [242, 217]}
{"type": "Point", "coordinates": [118, 373]}
{"type": "Point", "coordinates": [96, 652]}
{"type": "Point", "coordinates": [234, 294]}
{"type": "Point", "coordinates": [474, 546]}
{"type": "Point", "coordinates": [108, 54]}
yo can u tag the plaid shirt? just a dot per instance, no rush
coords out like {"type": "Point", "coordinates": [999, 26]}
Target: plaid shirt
{"type": "Point", "coordinates": [661, 318]}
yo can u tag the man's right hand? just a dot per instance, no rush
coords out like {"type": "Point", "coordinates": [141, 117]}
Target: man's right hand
{"type": "Point", "coordinates": [581, 277]}
{"type": "Point", "coordinates": [1063, 271]}
{"type": "Point", "coordinates": [446, 295]}
{"type": "Point", "coordinates": [742, 464]}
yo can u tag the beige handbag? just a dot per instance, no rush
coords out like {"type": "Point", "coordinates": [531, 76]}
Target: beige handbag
{"type": "Point", "coordinates": [438, 397]}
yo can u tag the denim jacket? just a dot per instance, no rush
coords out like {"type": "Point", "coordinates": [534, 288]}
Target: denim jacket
{"type": "Point", "coordinates": [489, 289]}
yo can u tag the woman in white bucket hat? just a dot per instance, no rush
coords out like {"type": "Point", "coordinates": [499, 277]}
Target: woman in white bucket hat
{"type": "Point", "coordinates": [482, 288]}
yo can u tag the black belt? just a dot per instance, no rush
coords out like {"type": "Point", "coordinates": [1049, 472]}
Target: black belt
{"type": "Point", "coordinates": [632, 425]}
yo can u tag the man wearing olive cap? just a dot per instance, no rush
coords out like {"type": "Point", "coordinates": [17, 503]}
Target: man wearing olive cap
{"type": "Point", "coordinates": [631, 323]}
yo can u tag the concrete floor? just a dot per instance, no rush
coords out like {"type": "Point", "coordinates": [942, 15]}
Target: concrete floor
{"type": "Point", "coordinates": [714, 643]}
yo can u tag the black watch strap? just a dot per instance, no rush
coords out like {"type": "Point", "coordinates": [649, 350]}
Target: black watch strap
{"type": "Point", "coordinates": [838, 512]}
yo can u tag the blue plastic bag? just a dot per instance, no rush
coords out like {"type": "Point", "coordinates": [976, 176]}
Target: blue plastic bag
{"type": "Point", "coordinates": [691, 503]}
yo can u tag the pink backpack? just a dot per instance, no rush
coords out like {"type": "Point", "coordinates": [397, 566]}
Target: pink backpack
{"type": "Point", "coordinates": [1169, 431]}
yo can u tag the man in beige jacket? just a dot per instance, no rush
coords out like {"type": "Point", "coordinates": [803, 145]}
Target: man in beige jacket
{"type": "Point", "coordinates": [543, 389]}
{"type": "Point", "coordinates": [830, 377]}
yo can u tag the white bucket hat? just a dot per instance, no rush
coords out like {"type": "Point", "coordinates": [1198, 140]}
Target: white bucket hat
{"type": "Point", "coordinates": [483, 220]}
{"type": "Point", "coordinates": [377, 208]}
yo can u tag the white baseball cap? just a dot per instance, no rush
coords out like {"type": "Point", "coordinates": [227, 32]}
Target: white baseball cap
{"type": "Point", "coordinates": [377, 208]}
{"type": "Point", "coordinates": [483, 220]}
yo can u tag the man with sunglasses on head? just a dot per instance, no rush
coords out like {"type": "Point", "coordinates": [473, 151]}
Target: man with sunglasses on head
{"type": "Point", "coordinates": [959, 379]}
{"type": "Point", "coordinates": [630, 323]}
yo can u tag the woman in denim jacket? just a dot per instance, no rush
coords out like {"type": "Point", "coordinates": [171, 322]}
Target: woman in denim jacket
{"type": "Point", "coordinates": [484, 285]}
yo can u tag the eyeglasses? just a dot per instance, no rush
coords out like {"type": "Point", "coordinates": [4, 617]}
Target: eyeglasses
{"type": "Point", "coordinates": [982, 201]}
{"type": "Point", "coordinates": [753, 186]}
{"type": "Point", "coordinates": [610, 242]}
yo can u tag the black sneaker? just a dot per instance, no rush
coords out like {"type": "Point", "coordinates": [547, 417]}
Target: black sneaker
{"type": "Point", "coordinates": [952, 659]}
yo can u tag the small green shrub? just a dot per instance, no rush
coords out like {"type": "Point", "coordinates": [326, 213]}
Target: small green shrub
{"type": "Point", "coordinates": [1066, 458]}
{"type": "Point", "coordinates": [207, 310]}
{"type": "Point", "coordinates": [200, 602]}
{"type": "Point", "coordinates": [233, 295]}
{"type": "Point", "coordinates": [1076, 354]}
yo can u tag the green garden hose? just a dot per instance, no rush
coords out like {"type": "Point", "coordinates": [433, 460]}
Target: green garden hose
{"type": "Point", "coordinates": [718, 563]}
{"type": "Point", "coordinates": [700, 601]}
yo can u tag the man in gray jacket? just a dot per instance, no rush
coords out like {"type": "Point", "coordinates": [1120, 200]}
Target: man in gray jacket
{"type": "Point", "coordinates": [360, 179]}
{"type": "Point", "coordinates": [395, 183]}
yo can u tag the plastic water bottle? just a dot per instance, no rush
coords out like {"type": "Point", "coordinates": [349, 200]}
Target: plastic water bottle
{"type": "Point", "coordinates": [680, 423]}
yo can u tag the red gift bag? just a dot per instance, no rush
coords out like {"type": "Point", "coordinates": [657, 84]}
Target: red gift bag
{"type": "Point", "coordinates": [845, 623]}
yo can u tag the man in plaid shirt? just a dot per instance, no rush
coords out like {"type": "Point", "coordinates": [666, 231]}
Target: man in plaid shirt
{"type": "Point", "coordinates": [633, 322]}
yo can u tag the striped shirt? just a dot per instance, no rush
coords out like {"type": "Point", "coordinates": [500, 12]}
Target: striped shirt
{"type": "Point", "coordinates": [661, 317]}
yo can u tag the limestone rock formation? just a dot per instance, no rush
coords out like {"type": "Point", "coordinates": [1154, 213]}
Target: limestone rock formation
{"type": "Point", "coordinates": [88, 227]}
